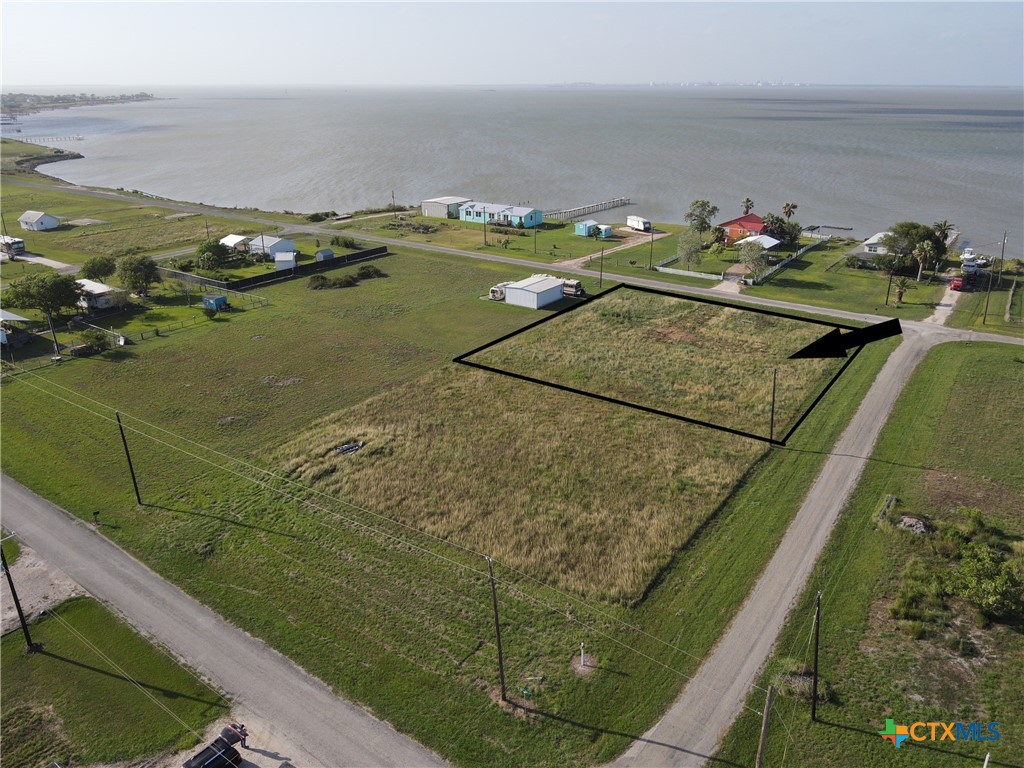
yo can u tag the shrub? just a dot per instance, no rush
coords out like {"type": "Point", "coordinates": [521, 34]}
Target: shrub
{"type": "Point", "coordinates": [987, 581]}
{"type": "Point", "coordinates": [369, 271]}
{"type": "Point", "coordinates": [318, 282]}
{"type": "Point", "coordinates": [345, 241]}
{"type": "Point", "coordinates": [94, 339]}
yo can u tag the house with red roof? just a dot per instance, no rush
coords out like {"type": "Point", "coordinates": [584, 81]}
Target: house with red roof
{"type": "Point", "coordinates": [744, 226]}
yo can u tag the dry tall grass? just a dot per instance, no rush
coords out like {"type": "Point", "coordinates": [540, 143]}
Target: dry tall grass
{"type": "Point", "coordinates": [590, 496]}
{"type": "Point", "coordinates": [697, 360]}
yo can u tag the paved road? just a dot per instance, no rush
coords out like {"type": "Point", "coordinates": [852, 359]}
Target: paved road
{"type": "Point", "coordinates": [697, 721]}
{"type": "Point", "coordinates": [332, 731]}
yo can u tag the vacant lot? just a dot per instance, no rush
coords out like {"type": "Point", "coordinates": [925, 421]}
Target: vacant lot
{"type": "Point", "coordinates": [703, 361]}
{"type": "Point", "coordinates": [96, 693]}
{"type": "Point", "coordinates": [893, 645]}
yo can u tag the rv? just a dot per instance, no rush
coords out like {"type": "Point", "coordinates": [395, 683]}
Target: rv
{"type": "Point", "coordinates": [12, 246]}
{"type": "Point", "coordinates": [638, 223]}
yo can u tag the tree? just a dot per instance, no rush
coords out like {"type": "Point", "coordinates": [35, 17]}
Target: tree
{"type": "Point", "coordinates": [47, 292]}
{"type": "Point", "coordinates": [902, 285]}
{"type": "Point", "coordinates": [924, 254]}
{"type": "Point", "coordinates": [212, 254]}
{"type": "Point", "coordinates": [900, 242]}
{"type": "Point", "coordinates": [185, 288]}
{"type": "Point", "coordinates": [700, 215]}
{"type": "Point", "coordinates": [943, 229]}
{"type": "Point", "coordinates": [94, 339]}
{"type": "Point", "coordinates": [774, 225]}
{"type": "Point", "coordinates": [689, 248]}
{"type": "Point", "coordinates": [98, 268]}
{"type": "Point", "coordinates": [748, 205]}
{"type": "Point", "coordinates": [788, 209]}
{"type": "Point", "coordinates": [718, 235]}
{"type": "Point", "coordinates": [137, 273]}
{"type": "Point", "coordinates": [753, 257]}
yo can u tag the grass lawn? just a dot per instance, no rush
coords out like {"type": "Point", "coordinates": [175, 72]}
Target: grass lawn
{"type": "Point", "coordinates": [969, 311]}
{"type": "Point", "coordinates": [403, 625]}
{"type": "Point", "coordinates": [809, 280]}
{"type": "Point", "coordinates": [12, 270]}
{"type": "Point", "coordinates": [11, 547]}
{"type": "Point", "coordinates": [75, 701]}
{"type": "Point", "coordinates": [892, 645]}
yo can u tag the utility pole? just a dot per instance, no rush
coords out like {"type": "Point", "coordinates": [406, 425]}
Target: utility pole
{"type": "Point", "coordinates": [650, 259]}
{"type": "Point", "coordinates": [485, 228]}
{"type": "Point", "coordinates": [601, 281]}
{"type": "Point", "coordinates": [30, 647]}
{"type": "Point", "coordinates": [128, 455]}
{"type": "Point", "coordinates": [887, 290]}
{"type": "Point", "coordinates": [497, 628]}
{"type": "Point", "coordinates": [814, 687]}
{"type": "Point", "coordinates": [764, 727]}
{"type": "Point", "coordinates": [207, 223]}
{"type": "Point", "coordinates": [988, 295]}
{"type": "Point", "coordinates": [535, 228]}
{"type": "Point", "coordinates": [394, 210]}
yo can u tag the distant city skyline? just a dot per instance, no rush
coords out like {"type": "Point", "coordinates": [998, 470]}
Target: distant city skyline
{"type": "Point", "coordinates": [154, 44]}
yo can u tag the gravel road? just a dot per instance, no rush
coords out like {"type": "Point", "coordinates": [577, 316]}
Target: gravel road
{"type": "Point", "coordinates": [326, 730]}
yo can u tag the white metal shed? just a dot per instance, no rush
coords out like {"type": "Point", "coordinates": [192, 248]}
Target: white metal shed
{"type": "Point", "coordinates": [534, 292]}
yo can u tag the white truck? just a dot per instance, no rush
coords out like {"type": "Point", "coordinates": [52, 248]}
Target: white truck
{"type": "Point", "coordinates": [570, 286]}
{"type": "Point", "coordinates": [638, 223]}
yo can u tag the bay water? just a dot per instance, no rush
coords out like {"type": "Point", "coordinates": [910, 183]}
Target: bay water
{"type": "Point", "coordinates": [861, 158]}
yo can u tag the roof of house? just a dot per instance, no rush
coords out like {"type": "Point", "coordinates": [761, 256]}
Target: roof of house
{"type": "Point", "coordinates": [588, 222]}
{"type": "Point", "coordinates": [94, 287]}
{"type": "Point", "coordinates": [536, 284]}
{"type": "Point", "coordinates": [448, 200]}
{"type": "Point", "coordinates": [232, 240]}
{"type": "Point", "coordinates": [325, 252]}
{"type": "Point", "coordinates": [12, 318]}
{"type": "Point", "coordinates": [285, 256]}
{"type": "Point", "coordinates": [750, 221]}
{"type": "Point", "coordinates": [876, 238]}
{"type": "Point", "coordinates": [764, 241]}
{"type": "Point", "coordinates": [496, 208]}
{"type": "Point", "coordinates": [264, 241]}
{"type": "Point", "coordinates": [32, 216]}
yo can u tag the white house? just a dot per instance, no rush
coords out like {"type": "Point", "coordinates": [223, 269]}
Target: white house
{"type": "Point", "coordinates": [499, 213]}
{"type": "Point", "coordinates": [235, 242]}
{"type": "Point", "coordinates": [286, 260]}
{"type": "Point", "coordinates": [874, 245]}
{"type": "Point", "coordinates": [534, 292]}
{"type": "Point", "coordinates": [271, 246]}
{"type": "Point", "coordinates": [37, 221]}
{"type": "Point", "coordinates": [96, 295]}
{"type": "Point", "coordinates": [443, 207]}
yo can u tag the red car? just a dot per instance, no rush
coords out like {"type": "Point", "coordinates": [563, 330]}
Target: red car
{"type": "Point", "coordinates": [956, 284]}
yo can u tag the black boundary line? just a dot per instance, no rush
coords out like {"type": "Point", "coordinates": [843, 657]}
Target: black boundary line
{"type": "Point", "coordinates": [828, 386]}
{"type": "Point", "coordinates": [534, 324]}
{"type": "Point", "coordinates": [615, 401]}
{"type": "Point", "coordinates": [461, 359]}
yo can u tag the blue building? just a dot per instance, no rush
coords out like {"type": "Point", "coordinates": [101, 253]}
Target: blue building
{"type": "Point", "coordinates": [502, 215]}
{"type": "Point", "coordinates": [585, 228]}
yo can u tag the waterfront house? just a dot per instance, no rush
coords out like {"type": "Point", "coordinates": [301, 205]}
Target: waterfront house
{"type": "Point", "coordinates": [443, 207]}
{"type": "Point", "coordinates": [744, 226]}
{"type": "Point", "coordinates": [271, 246]}
{"type": "Point", "coordinates": [873, 245]}
{"type": "Point", "coordinates": [37, 221]}
{"type": "Point", "coordinates": [501, 214]}
{"type": "Point", "coordinates": [585, 228]}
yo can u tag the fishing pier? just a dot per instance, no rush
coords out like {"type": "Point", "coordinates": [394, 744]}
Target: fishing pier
{"type": "Point", "coordinates": [571, 213]}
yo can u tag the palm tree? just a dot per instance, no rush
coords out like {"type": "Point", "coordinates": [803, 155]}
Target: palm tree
{"type": "Point", "coordinates": [943, 229]}
{"type": "Point", "coordinates": [925, 254]}
{"type": "Point", "coordinates": [902, 284]}
{"type": "Point", "coordinates": [748, 205]}
{"type": "Point", "coordinates": [788, 209]}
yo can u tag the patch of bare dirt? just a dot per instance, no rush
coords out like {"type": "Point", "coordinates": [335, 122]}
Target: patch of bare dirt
{"type": "Point", "coordinates": [949, 490]}
{"type": "Point", "coordinates": [673, 333]}
{"type": "Point", "coordinates": [39, 585]}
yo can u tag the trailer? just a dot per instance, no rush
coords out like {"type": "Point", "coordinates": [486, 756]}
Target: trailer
{"type": "Point", "coordinates": [570, 286]}
{"type": "Point", "coordinates": [638, 223]}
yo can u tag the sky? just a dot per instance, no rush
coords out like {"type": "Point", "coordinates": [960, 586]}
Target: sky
{"type": "Point", "coordinates": [152, 44]}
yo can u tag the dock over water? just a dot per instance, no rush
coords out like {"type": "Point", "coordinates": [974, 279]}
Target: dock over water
{"type": "Point", "coordinates": [572, 213]}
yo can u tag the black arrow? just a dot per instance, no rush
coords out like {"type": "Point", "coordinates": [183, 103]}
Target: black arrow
{"type": "Point", "coordinates": [835, 344]}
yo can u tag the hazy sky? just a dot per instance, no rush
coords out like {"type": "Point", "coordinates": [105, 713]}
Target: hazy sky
{"type": "Point", "coordinates": [429, 43]}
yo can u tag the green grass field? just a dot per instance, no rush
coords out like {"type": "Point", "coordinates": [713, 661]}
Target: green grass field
{"type": "Point", "coordinates": [970, 308]}
{"type": "Point", "coordinates": [12, 270]}
{"type": "Point", "coordinates": [809, 280]}
{"type": "Point", "coordinates": [96, 693]}
{"type": "Point", "coordinates": [939, 453]}
{"type": "Point", "coordinates": [403, 625]}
